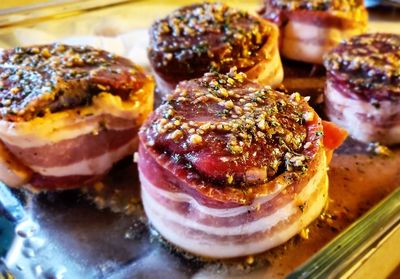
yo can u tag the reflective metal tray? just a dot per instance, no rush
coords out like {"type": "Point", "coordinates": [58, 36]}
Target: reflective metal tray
{"type": "Point", "coordinates": [66, 235]}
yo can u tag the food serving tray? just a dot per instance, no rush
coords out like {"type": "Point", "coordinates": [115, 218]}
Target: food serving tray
{"type": "Point", "coordinates": [102, 232]}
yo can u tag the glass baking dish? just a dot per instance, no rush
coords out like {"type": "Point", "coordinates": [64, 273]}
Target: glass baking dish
{"type": "Point", "coordinates": [65, 235]}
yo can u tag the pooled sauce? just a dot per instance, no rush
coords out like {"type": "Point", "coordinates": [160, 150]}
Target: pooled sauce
{"type": "Point", "coordinates": [115, 191]}
{"type": "Point", "coordinates": [354, 188]}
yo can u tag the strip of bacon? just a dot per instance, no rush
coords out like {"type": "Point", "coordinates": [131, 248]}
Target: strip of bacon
{"type": "Point", "coordinates": [309, 29]}
{"type": "Point", "coordinates": [220, 200]}
{"type": "Point", "coordinates": [69, 113]}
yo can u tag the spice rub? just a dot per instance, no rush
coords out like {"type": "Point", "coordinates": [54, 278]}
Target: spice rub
{"type": "Point", "coordinates": [49, 78]}
{"type": "Point", "coordinates": [233, 131]}
{"type": "Point", "coordinates": [207, 37]}
{"type": "Point", "coordinates": [369, 64]}
{"type": "Point", "coordinates": [203, 37]}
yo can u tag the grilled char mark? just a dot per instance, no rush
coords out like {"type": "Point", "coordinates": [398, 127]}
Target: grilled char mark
{"type": "Point", "coordinates": [367, 67]}
{"type": "Point", "coordinates": [229, 131]}
{"type": "Point", "coordinates": [50, 78]}
{"type": "Point", "coordinates": [202, 37]}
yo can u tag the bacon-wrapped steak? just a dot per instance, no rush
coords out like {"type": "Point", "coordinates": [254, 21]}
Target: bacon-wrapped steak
{"type": "Point", "coordinates": [310, 28]}
{"type": "Point", "coordinates": [67, 113]}
{"type": "Point", "coordinates": [363, 87]}
{"type": "Point", "coordinates": [204, 37]}
{"type": "Point", "coordinates": [230, 168]}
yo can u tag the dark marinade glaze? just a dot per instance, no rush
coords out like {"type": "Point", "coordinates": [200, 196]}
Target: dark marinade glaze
{"type": "Point", "coordinates": [49, 78]}
{"type": "Point", "coordinates": [220, 127]}
{"type": "Point", "coordinates": [202, 37]}
{"type": "Point", "coordinates": [316, 5]}
{"type": "Point", "coordinates": [366, 67]}
{"type": "Point", "coordinates": [277, 10]}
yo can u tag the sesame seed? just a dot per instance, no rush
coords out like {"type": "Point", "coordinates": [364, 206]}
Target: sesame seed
{"type": "Point", "coordinates": [235, 149]}
{"type": "Point", "coordinates": [304, 233]}
{"type": "Point", "coordinates": [308, 116]}
{"type": "Point", "coordinates": [307, 145]}
{"type": "Point", "coordinates": [46, 53]}
{"type": "Point", "coordinates": [161, 130]}
{"type": "Point", "coordinates": [168, 56]}
{"type": "Point", "coordinates": [101, 87]}
{"type": "Point", "coordinates": [176, 134]}
{"type": "Point", "coordinates": [15, 90]}
{"type": "Point", "coordinates": [229, 104]}
{"type": "Point", "coordinates": [201, 99]}
{"type": "Point", "coordinates": [6, 102]}
{"type": "Point", "coordinates": [249, 260]}
{"type": "Point", "coordinates": [169, 126]}
{"type": "Point", "coordinates": [223, 92]}
{"type": "Point", "coordinates": [229, 178]}
{"type": "Point", "coordinates": [261, 124]}
{"type": "Point", "coordinates": [195, 139]}
{"type": "Point", "coordinates": [205, 126]}
{"type": "Point", "coordinates": [295, 97]}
